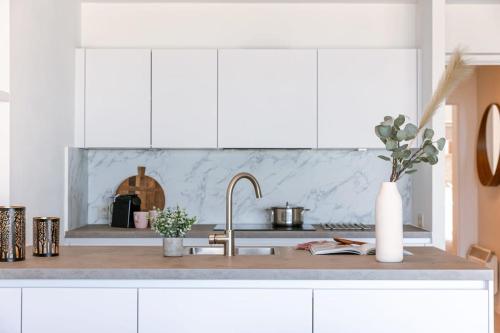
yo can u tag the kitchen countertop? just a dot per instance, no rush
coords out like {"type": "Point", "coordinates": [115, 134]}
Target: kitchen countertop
{"type": "Point", "coordinates": [147, 263]}
{"type": "Point", "coordinates": [203, 230]}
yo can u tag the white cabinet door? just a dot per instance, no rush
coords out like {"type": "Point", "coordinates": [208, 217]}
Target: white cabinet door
{"type": "Point", "coordinates": [184, 99]}
{"type": "Point", "coordinates": [357, 88]}
{"type": "Point", "coordinates": [118, 98]}
{"type": "Point", "coordinates": [225, 310]}
{"type": "Point", "coordinates": [10, 310]}
{"type": "Point", "coordinates": [267, 98]}
{"type": "Point", "coordinates": [82, 310]}
{"type": "Point", "coordinates": [397, 311]}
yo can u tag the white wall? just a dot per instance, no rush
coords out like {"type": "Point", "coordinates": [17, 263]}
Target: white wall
{"type": "Point", "coordinates": [429, 182]}
{"type": "Point", "coordinates": [465, 99]}
{"type": "Point", "coordinates": [184, 25]}
{"type": "Point", "coordinates": [474, 26]}
{"type": "Point", "coordinates": [4, 106]}
{"type": "Point", "coordinates": [44, 36]}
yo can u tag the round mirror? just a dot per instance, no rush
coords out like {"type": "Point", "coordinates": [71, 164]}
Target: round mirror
{"type": "Point", "coordinates": [488, 147]}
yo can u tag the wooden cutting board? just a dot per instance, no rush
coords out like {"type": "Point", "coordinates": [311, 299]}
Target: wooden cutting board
{"type": "Point", "coordinates": [147, 188]}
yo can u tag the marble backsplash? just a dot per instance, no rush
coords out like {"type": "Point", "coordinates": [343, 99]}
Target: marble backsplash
{"type": "Point", "coordinates": [77, 188]}
{"type": "Point", "coordinates": [336, 185]}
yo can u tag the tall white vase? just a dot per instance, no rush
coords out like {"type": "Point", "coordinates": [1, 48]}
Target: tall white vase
{"type": "Point", "coordinates": [389, 224]}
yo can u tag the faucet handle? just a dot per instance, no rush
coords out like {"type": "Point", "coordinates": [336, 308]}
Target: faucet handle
{"type": "Point", "coordinates": [212, 239]}
{"type": "Point", "coordinates": [217, 239]}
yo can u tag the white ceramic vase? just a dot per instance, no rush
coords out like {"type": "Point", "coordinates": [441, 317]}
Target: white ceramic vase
{"type": "Point", "coordinates": [173, 247]}
{"type": "Point", "coordinates": [389, 224]}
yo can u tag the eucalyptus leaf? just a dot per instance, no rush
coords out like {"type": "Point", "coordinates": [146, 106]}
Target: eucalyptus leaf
{"type": "Point", "coordinates": [433, 160]}
{"type": "Point", "coordinates": [411, 171]}
{"type": "Point", "coordinates": [401, 154]}
{"type": "Point", "coordinates": [385, 158]}
{"type": "Point", "coordinates": [430, 150]}
{"type": "Point", "coordinates": [383, 131]}
{"type": "Point", "coordinates": [401, 135]}
{"type": "Point", "coordinates": [391, 144]}
{"type": "Point", "coordinates": [428, 133]}
{"type": "Point", "coordinates": [411, 131]}
{"type": "Point", "coordinates": [388, 121]}
{"type": "Point", "coordinates": [400, 120]}
{"type": "Point", "coordinates": [441, 143]}
{"type": "Point", "coordinates": [427, 142]}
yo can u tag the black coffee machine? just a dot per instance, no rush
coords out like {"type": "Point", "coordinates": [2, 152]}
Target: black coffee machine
{"type": "Point", "coordinates": [124, 207]}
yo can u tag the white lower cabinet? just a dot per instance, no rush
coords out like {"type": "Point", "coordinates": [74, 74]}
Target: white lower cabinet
{"type": "Point", "coordinates": [397, 311]}
{"type": "Point", "coordinates": [225, 310]}
{"type": "Point", "coordinates": [10, 310]}
{"type": "Point", "coordinates": [79, 310]}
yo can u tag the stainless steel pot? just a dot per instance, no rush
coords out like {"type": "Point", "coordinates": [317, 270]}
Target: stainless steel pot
{"type": "Point", "coordinates": [288, 216]}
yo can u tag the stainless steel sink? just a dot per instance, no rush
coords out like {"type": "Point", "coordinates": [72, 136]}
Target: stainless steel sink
{"type": "Point", "coordinates": [241, 251]}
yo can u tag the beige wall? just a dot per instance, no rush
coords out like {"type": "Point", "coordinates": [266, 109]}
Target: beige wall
{"type": "Point", "coordinates": [488, 91]}
{"type": "Point", "coordinates": [478, 206]}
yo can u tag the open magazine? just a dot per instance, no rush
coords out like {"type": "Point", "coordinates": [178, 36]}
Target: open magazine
{"type": "Point", "coordinates": [336, 248]}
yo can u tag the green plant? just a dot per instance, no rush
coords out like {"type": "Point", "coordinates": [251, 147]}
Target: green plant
{"type": "Point", "coordinates": [173, 223]}
{"type": "Point", "coordinates": [398, 140]}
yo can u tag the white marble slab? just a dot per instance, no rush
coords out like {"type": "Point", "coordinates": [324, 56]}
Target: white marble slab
{"type": "Point", "coordinates": [78, 187]}
{"type": "Point", "coordinates": [337, 185]}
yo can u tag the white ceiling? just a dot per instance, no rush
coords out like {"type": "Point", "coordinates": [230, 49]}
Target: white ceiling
{"type": "Point", "coordinates": [251, 1]}
{"type": "Point", "coordinates": [290, 1]}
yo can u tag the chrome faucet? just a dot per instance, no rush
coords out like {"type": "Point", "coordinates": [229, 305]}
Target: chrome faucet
{"type": "Point", "coordinates": [227, 238]}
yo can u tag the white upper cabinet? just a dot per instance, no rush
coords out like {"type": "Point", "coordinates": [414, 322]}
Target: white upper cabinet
{"type": "Point", "coordinates": [184, 99]}
{"type": "Point", "coordinates": [118, 98]}
{"type": "Point", "coordinates": [357, 88]}
{"type": "Point", "coordinates": [267, 98]}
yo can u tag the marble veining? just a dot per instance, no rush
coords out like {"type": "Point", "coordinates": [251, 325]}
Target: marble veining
{"type": "Point", "coordinates": [336, 185]}
{"type": "Point", "coordinates": [77, 187]}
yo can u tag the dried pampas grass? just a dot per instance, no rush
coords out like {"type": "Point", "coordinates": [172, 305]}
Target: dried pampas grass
{"type": "Point", "coordinates": [457, 71]}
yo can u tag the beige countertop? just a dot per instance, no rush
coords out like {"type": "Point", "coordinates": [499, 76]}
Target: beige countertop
{"type": "Point", "coordinates": [141, 262]}
{"type": "Point", "coordinates": [203, 230]}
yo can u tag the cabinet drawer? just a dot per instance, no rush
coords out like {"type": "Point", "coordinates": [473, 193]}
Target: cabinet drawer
{"type": "Point", "coordinates": [225, 310]}
{"type": "Point", "coordinates": [10, 310]}
{"type": "Point", "coordinates": [396, 311]}
{"type": "Point", "coordinates": [79, 310]}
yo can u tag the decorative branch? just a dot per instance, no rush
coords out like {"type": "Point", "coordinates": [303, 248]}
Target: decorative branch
{"type": "Point", "coordinates": [456, 71]}
{"type": "Point", "coordinates": [398, 140]}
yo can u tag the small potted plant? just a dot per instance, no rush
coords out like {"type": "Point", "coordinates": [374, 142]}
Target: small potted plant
{"type": "Point", "coordinates": [173, 224]}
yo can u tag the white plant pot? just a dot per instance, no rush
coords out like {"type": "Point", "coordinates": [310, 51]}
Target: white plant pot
{"type": "Point", "coordinates": [173, 247]}
{"type": "Point", "coordinates": [389, 224]}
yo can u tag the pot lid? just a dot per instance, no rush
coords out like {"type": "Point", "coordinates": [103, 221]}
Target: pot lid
{"type": "Point", "coordinates": [287, 206]}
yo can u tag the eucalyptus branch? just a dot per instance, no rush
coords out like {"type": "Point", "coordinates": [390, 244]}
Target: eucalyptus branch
{"type": "Point", "coordinates": [397, 140]}
{"type": "Point", "coordinates": [392, 133]}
